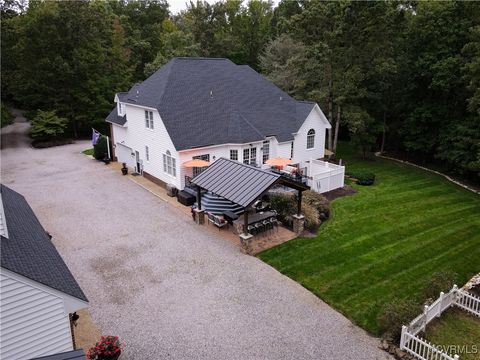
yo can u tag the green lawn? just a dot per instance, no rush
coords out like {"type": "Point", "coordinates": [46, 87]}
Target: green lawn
{"type": "Point", "coordinates": [386, 241]}
{"type": "Point", "coordinates": [88, 152]}
{"type": "Point", "coordinates": [458, 328]}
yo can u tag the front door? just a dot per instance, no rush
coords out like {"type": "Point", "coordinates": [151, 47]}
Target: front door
{"type": "Point", "coordinates": [138, 164]}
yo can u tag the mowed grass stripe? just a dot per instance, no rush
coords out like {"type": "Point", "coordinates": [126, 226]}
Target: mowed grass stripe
{"type": "Point", "coordinates": [354, 252]}
{"type": "Point", "coordinates": [385, 242]}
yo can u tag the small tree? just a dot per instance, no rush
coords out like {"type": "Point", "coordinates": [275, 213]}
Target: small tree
{"type": "Point", "coordinates": [7, 117]}
{"type": "Point", "coordinates": [100, 148]}
{"type": "Point", "coordinates": [46, 125]}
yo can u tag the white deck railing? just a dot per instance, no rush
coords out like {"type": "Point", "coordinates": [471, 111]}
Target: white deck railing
{"type": "Point", "coordinates": [324, 176]}
{"type": "Point", "coordinates": [419, 347]}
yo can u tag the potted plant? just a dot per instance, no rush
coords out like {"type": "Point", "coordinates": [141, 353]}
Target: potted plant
{"type": "Point", "coordinates": [108, 348]}
{"type": "Point", "coordinates": [124, 169]}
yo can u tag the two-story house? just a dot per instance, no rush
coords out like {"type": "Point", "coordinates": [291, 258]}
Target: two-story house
{"type": "Point", "coordinates": [208, 108]}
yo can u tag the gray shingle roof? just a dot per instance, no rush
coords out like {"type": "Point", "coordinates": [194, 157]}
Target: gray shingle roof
{"type": "Point", "coordinates": [69, 355]}
{"type": "Point", "coordinates": [205, 101]}
{"type": "Point", "coordinates": [237, 182]}
{"type": "Point", "coordinates": [114, 118]}
{"type": "Point", "coordinates": [28, 251]}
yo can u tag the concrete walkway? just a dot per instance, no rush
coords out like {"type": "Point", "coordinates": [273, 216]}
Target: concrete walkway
{"type": "Point", "coordinates": [170, 289]}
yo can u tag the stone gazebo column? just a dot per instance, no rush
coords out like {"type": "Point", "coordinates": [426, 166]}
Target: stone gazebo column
{"type": "Point", "coordinates": [298, 218]}
{"type": "Point", "coordinates": [246, 237]}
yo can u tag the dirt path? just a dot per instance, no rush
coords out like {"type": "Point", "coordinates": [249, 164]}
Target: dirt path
{"type": "Point", "coordinates": [16, 135]}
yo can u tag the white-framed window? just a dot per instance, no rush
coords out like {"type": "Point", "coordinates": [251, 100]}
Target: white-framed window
{"type": "Point", "coordinates": [253, 156]}
{"type": "Point", "coordinates": [120, 108]}
{"type": "Point", "coordinates": [234, 155]}
{"type": "Point", "coordinates": [169, 164]}
{"type": "Point", "coordinates": [311, 139]}
{"type": "Point", "coordinates": [149, 119]}
{"type": "Point", "coordinates": [250, 156]}
{"type": "Point", "coordinates": [266, 151]}
{"type": "Point", "coordinates": [147, 153]}
{"type": "Point", "coordinates": [246, 156]}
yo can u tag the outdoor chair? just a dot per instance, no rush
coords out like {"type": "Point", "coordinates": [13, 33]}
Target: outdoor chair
{"type": "Point", "coordinates": [252, 229]}
{"type": "Point", "coordinates": [274, 223]}
{"type": "Point", "coordinates": [219, 222]}
{"type": "Point", "coordinates": [260, 227]}
{"type": "Point", "coordinates": [211, 217]}
{"type": "Point", "coordinates": [268, 224]}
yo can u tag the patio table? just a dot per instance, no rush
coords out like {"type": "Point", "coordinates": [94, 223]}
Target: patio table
{"type": "Point", "coordinates": [254, 218]}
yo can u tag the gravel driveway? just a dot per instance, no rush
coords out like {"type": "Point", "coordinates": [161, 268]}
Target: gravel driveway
{"type": "Point", "coordinates": [168, 288]}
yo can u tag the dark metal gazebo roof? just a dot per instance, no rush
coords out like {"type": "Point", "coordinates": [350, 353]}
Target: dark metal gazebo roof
{"type": "Point", "coordinates": [240, 183]}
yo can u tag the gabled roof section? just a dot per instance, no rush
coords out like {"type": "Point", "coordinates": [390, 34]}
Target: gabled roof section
{"type": "Point", "coordinates": [114, 118]}
{"type": "Point", "coordinates": [237, 182]}
{"type": "Point", "coordinates": [28, 251]}
{"type": "Point", "coordinates": [201, 101]}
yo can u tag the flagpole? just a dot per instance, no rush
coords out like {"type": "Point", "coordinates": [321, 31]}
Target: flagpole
{"type": "Point", "coordinates": [108, 147]}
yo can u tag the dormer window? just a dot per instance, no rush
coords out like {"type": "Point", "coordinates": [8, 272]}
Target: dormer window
{"type": "Point", "coordinates": [121, 108]}
{"type": "Point", "coordinates": [149, 119]}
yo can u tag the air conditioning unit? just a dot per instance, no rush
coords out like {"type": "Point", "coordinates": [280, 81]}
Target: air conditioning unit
{"type": "Point", "coordinates": [172, 191]}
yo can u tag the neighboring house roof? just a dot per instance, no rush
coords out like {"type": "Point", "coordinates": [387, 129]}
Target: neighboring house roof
{"type": "Point", "coordinates": [205, 101]}
{"type": "Point", "coordinates": [28, 250]}
{"type": "Point", "coordinates": [114, 118]}
{"type": "Point", "coordinates": [69, 355]}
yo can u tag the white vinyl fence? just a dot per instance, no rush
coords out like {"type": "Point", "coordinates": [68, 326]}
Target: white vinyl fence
{"type": "Point", "coordinates": [325, 176]}
{"type": "Point", "coordinates": [419, 347]}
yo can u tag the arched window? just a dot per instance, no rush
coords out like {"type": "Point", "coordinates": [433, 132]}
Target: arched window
{"type": "Point", "coordinates": [311, 139]}
{"type": "Point", "coordinates": [169, 164]}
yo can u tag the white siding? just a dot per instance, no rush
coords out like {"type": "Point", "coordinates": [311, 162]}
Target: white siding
{"type": "Point", "coordinates": [216, 152]}
{"type": "Point", "coordinates": [315, 120]}
{"type": "Point", "coordinates": [136, 136]}
{"type": "Point", "coordinates": [33, 322]}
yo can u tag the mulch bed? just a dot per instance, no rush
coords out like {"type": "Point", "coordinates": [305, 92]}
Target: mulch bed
{"type": "Point", "coordinates": [347, 190]}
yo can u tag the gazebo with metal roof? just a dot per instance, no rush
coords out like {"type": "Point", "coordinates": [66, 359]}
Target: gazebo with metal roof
{"type": "Point", "coordinates": [242, 184]}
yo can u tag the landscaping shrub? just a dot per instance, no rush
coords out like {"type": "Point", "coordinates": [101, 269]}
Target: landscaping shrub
{"type": "Point", "coordinates": [286, 206]}
{"type": "Point", "coordinates": [100, 149]}
{"type": "Point", "coordinates": [6, 115]}
{"type": "Point", "coordinates": [46, 126]}
{"type": "Point", "coordinates": [319, 202]}
{"type": "Point", "coordinates": [439, 281]}
{"type": "Point", "coordinates": [396, 314]}
{"type": "Point", "coordinates": [363, 177]}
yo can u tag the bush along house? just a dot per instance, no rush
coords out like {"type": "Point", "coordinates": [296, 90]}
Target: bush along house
{"type": "Point", "coordinates": [209, 108]}
{"type": "Point", "coordinates": [39, 294]}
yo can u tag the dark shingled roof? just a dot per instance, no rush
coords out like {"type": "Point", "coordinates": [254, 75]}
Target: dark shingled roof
{"type": "Point", "coordinates": [69, 355]}
{"type": "Point", "coordinates": [28, 251]}
{"type": "Point", "coordinates": [114, 118]}
{"type": "Point", "coordinates": [205, 101]}
{"type": "Point", "coordinates": [237, 182]}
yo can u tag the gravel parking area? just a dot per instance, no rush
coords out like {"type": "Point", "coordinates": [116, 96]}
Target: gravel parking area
{"type": "Point", "coordinates": [166, 287]}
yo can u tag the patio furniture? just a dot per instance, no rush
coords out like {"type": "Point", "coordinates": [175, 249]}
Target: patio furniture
{"type": "Point", "coordinates": [230, 216]}
{"type": "Point", "coordinates": [218, 221]}
{"type": "Point", "coordinates": [185, 198]}
{"type": "Point", "coordinates": [259, 226]}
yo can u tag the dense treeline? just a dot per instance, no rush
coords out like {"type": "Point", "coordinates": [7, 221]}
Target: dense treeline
{"type": "Point", "coordinates": [397, 76]}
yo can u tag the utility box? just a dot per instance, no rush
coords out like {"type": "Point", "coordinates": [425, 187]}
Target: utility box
{"type": "Point", "coordinates": [172, 191]}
